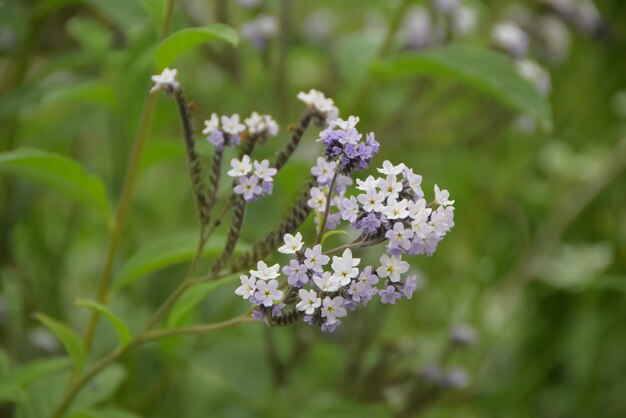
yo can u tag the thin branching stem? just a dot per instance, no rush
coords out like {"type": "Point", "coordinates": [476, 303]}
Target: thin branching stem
{"type": "Point", "coordinates": [123, 206]}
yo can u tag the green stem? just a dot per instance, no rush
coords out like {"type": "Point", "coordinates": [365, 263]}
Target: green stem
{"type": "Point", "coordinates": [331, 189]}
{"type": "Point", "coordinates": [123, 207]}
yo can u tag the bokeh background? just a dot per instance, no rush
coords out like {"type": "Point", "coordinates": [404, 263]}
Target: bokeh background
{"type": "Point", "coordinates": [534, 271]}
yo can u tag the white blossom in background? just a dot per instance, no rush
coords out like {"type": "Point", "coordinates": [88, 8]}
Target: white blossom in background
{"type": "Point", "coordinates": [316, 100]}
{"type": "Point", "coordinates": [536, 74]}
{"type": "Point", "coordinates": [510, 37]}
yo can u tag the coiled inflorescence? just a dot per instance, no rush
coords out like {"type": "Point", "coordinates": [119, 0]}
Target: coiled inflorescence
{"type": "Point", "coordinates": [319, 286]}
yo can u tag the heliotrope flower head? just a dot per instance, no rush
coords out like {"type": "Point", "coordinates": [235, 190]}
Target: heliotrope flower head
{"type": "Point", "coordinates": [346, 146]}
{"type": "Point", "coordinates": [320, 104]}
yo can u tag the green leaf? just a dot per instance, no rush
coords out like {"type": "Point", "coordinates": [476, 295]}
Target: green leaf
{"type": "Point", "coordinates": [329, 234]}
{"type": "Point", "coordinates": [68, 338]}
{"type": "Point", "coordinates": [10, 393]}
{"type": "Point", "coordinates": [485, 70]}
{"type": "Point", "coordinates": [165, 252]}
{"type": "Point", "coordinates": [60, 173]}
{"type": "Point", "coordinates": [179, 42]}
{"type": "Point", "coordinates": [192, 297]}
{"type": "Point", "coordinates": [122, 330]}
{"type": "Point", "coordinates": [36, 369]}
{"type": "Point", "coordinates": [95, 91]}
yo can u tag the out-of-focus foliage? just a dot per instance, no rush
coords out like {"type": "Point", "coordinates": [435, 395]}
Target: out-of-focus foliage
{"type": "Point", "coordinates": [536, 263]}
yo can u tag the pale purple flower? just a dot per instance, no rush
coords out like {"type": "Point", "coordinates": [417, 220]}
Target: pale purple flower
{"type": "Point", "coordinates": [265, 272]}
{"type": "Point", "coordinates": [389, 295]}
{"type": "Point", "coordinates": [293, 244]}
{"type": "Point", "coordinates": [395, 209]}
{"type": "Point", "coordinates": [324, 171]}
{"type": "Point", "coordinates": [389, 169]}
{"type": "Point", "coordinates": [317, 200]}
{"type": "Point", "coordinates": [390, 186]}
{"type": "Point", "coordinates": [371, 200]}
{"type": "Point", "coordinates": [370, 223]}
{"type": "Point", "coordinates": [442, 197]}
{"type": "Point", "coordinates": [296, 273]}
{"type": "Point", "coordinates": [345, 267]}
{"type": "Point", "coordinates": [327, 282]}
{"type": "Point", "coordinates": [392, 267]}
{"type": "Point", "coordinates": [349, 209]}
{"type": "Point", "coordinates": [240, 167]}
{"type": "Point", "coordinates": [399, 236]}
{"type": "Point", "coordinates": [216, 138]}
{"type": "Point", "coordinates": [248, 187]}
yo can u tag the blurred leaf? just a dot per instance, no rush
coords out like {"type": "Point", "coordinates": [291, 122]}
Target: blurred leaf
{"type": "Point", "coordinates": [122, 330]}
{"type": "Point", "coordinates": [192, 297]}
{"type": "Point", "coordinates": [45, 7]}
{"type": "Point", "coordinates": [68, 338]}
{"type": "Point", "coordinates": [103, 386]}
{"type": "Point", "coordinates": [103, 413]}
{"type": "Point", "coordinates": [334, 232]}
{"type": "Point", "coordinates": [10, 393]}
{"type": "Point", "coordinates": [126, 14]}
{"type": "Point", "coordinates": [19, 98]}
{"type": "Point", "coordinates": [159, 150]}
{"type": "Point", "coordinates": [165, 252]}
{"type": "Point", "coordinates": [156, 9]}
{"type": "Point", "coordinates": [480, 68]}
{"type": "Point", "coordinates": [36, 369]}
{"type": "Point", "coordinates": [58, 172]}
{"type": "Point", "coordinates": [179, 42]}
{"type": "Point", "coordinates": [90, 34]}
{"type": "Point", "coordinates": [97, 91]}
{"type": "Point", "coordinates": [355, 52]}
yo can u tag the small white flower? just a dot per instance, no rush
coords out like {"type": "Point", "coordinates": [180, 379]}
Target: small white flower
{"type": "Point", "coordinates": [255, 123]}
{"type": "Point", "coordinates": [390, 186]}
{"type": "Point", "coordinates": [371, 201]}
{"type": "Point", "coordinates": [314, 259]}
{"type": "Point", "coordinates": [442, 197]}
{"type": "Point", "coordinates": [264, 272]}
{"type": "Point", "coordinates": [270, 125]}
{"type": "Point", "coordinates": [392, 267]}
{"type": "Point", "coordinates": [231, 125]}
{"type": "Point", "coordinates": [345, 267]}
{"type": "Point", "coordinates": [267, 292]}
{"type": "Point", "coordinates": [442, 220]}
{"type": "Point", "coordinates": [292, 244]}
{"type": "Point", "coordinates": [327, 282]}
{"type": "Point", "coordinates": [317, 200]}
{"type": "Point", "coordinates": [264, 171]}
{"type": "Point", "coordinates": [510, 37]}
{"type": "Point", "coordinates": [166, 80]}
{"type": "Point", "coordinates": [211, 125]}
{"type": "Point", "coordinates": [390, 169]}
{"type": "Point", "coordinates": [248, 286]}
{"type": "Point", "coordinates": [309, 301]}
{"type": "Point", "coordinates": [369, 184]}
{"type": "Point", "coordinates": [240, 168]}
{"type": "Point", "coordinates": [346, 124]}
{"type": "Point", "coordinates": [333, 309]}
{"type": "Point", "coordinates": [395, 209]}
{"type": "Point", "coordinates": [248, 187]}
{"type": "Point", "coordinates": [316, 100]}
{"type": "Point", "coordinates": [414, 181]}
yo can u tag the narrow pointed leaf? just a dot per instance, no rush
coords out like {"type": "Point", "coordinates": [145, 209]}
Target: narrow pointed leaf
{"type": "Point", "coordinates": [67, 337]}
{"type": "Point", "coordinates": [165, 252]}
{"type": "Point", "coordinates": [179, 42]}
{"type": "Point", "coordinates": [487, 71]}
{"type": "Point", "coordinates": [57, 172]}
{"type": "Point", "coordinates": [192, 297]}
{"type": "Point", "coordinates": [122, 330]}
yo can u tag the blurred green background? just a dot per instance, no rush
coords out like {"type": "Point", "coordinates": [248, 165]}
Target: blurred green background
{"type": "Point", "coordinates": [536, 263]}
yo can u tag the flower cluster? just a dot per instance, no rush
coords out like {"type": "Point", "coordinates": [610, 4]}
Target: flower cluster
{"type": "Point", "coordinates": [255, 178]}
{"type": "Point", "coordinates": [228, 130]}
{"type": "Point", "coordinates": [321, 287]}
{"type": "Point", "coordinates": [345, 145]}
